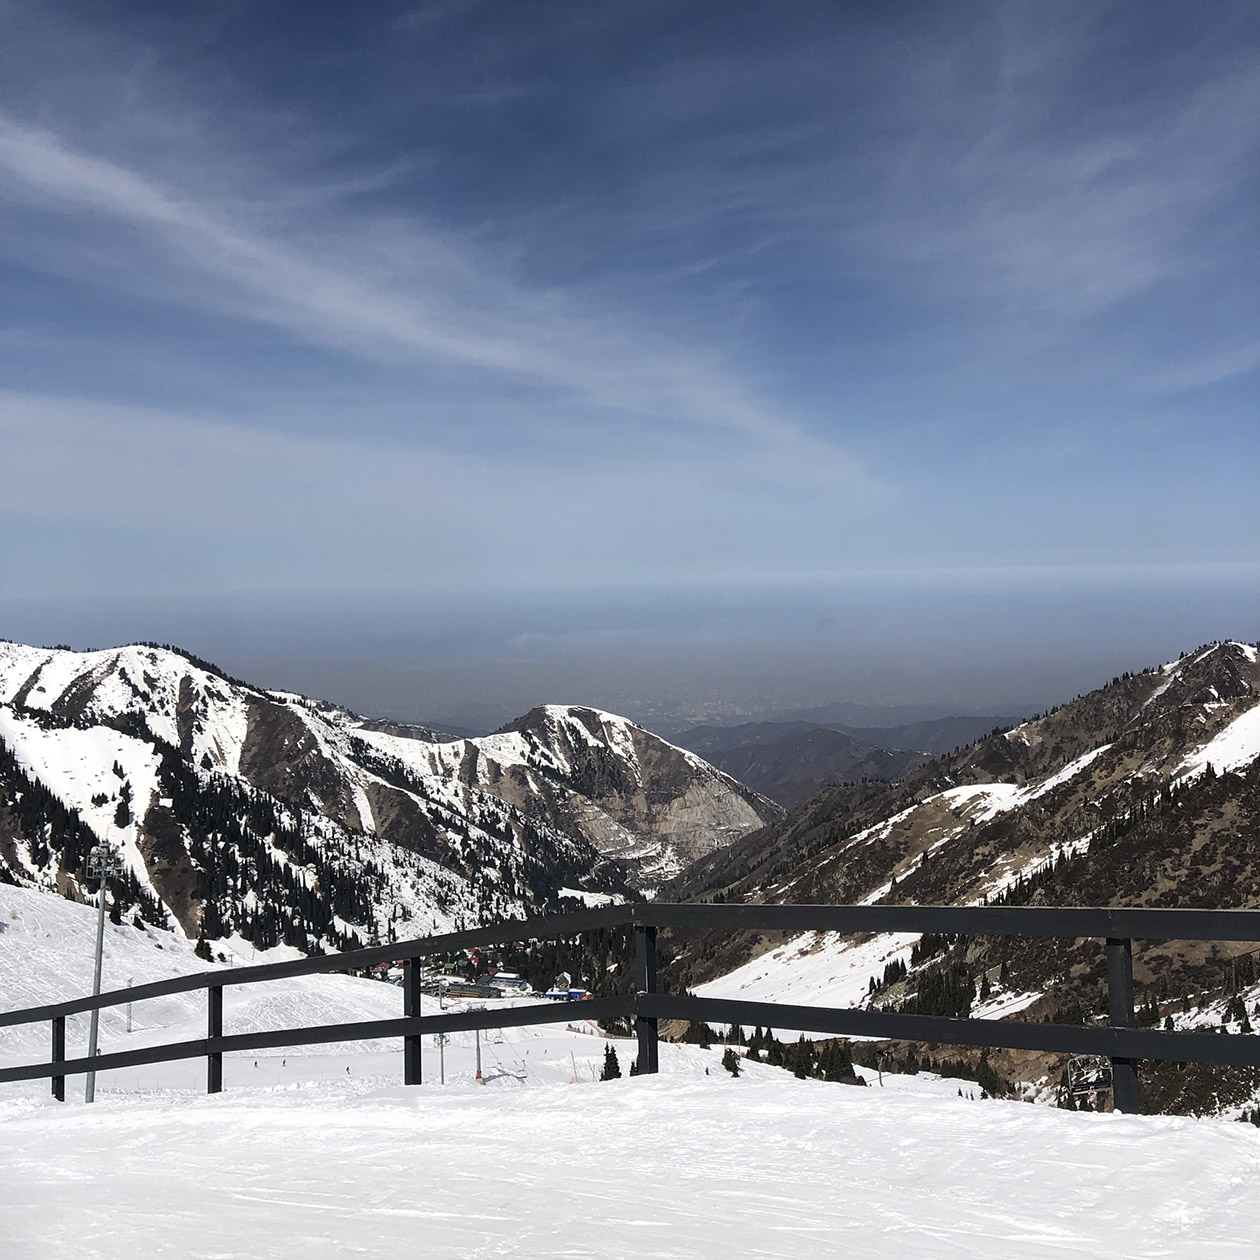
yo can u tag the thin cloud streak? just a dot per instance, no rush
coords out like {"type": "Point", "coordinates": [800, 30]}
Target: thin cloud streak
{"type": "Point", "coordinates": [1070, 223]}
{"type": "Point", "coordinates": [455, 311]}
{"type": "Point", "coordinates": [1033, 210]}
{"type": "Point", "coordinates": [349, 514]}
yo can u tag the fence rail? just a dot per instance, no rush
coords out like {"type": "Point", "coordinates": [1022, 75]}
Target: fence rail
{"type": "Point", "coordinates": [1122, 1042]}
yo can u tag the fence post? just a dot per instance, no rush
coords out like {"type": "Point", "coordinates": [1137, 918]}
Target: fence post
{"type": "Point", "coordinates": [59, 1056]}
{"type": "Point", "coordinates": [214, 1030]}
{"type": "Point", "coordinates": [413, 1068]}
{"type": "Point", "coordinates": [1124, 1079]}
{"type": "Point", "coordinates": [645, 982]}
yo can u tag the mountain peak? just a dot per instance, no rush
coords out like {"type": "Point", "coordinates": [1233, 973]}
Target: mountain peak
{"type": "Point", "coordinates": [219, 791]}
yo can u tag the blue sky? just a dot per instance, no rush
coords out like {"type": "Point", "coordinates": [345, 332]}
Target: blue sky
{"type": "Point", "coordinates": [691, 321]}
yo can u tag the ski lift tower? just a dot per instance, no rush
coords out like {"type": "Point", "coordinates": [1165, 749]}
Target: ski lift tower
{"type": "Point", "coordinates": [103, 861]}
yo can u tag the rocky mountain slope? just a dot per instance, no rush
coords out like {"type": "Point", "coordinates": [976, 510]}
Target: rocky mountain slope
{"type": "Point", "coordinates": [792, 761]}
{"type": "Point", "coordinates": [933, 735]}
{"type": "Point", "coordinates": [273, 817]}
{"type": "Point", "coordinates": [1145, 792]}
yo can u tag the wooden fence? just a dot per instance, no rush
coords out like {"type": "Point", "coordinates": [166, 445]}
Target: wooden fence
{"type": "Point", "coordinates": [1121, 1041]}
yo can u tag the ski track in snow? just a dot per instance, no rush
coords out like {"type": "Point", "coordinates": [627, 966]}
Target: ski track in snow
{"type": "Point", "coordinates": [46, 952]}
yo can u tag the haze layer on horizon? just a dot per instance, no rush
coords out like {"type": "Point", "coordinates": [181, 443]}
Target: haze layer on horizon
{"type": "Point", "coordinates": [871, 650]}
{"type": "Point", "coordinates": [446, 358]}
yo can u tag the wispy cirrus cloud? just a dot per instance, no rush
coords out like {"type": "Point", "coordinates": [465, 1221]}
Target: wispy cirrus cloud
{"type": "Point", "coordinates": [383, 290]}
{"type": "Point", "coordinates": [1003, 166]}
{"type": "Point", "coordinates": [829, 288]}
{"type": "Point", "coordinates": [1072, 222]}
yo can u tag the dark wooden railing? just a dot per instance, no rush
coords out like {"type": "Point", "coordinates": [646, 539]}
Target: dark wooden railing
{"type": "Point", "coordinates": [1121, 1042]}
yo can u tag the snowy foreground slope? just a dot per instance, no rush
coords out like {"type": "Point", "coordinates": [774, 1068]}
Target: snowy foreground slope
{"type": "Point", "coordinates": [46, 952]}
{"type": "Point", "coordinates": [683, 1165]}
{"type": "Point", "coordinates": [323, 1153]}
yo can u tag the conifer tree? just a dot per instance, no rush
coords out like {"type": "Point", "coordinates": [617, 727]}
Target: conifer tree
{"type": "Point", "coordinates": [699, 1034]}
{"type": "Point", "coordinates": [612, 1069]}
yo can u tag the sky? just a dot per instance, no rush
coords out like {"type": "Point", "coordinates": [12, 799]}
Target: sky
{"type": "Point", "coordinates": [705, 358]}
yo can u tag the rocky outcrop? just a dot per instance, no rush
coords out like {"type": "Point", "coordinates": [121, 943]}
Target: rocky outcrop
{"type": "Point", "coordinates": [282, 754]}
{"type": "Point", "coordinates": [648, 804]}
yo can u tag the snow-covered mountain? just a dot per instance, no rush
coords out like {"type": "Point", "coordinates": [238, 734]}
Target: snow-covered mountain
{"type": "Point", "coordinates": [272, 816]}
{"type": "Point", "coordinates": [1145, 792]}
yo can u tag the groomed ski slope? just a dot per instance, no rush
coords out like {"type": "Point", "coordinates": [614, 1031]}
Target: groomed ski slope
{"type": "Point", "coordinates": [323, 1154]}
{"type": "Point", "coordinates": [684, 1165]}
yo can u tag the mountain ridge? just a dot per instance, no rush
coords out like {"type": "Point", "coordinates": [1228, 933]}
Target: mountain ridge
{"type": "Point", "coordinates": [797, 766]}
{"type": "Point", "coordinates": [793, 761]}
{"type": "Point", "coordinates": [274, 816]}
{"type": "Point", "coordinates": [1144, 792]}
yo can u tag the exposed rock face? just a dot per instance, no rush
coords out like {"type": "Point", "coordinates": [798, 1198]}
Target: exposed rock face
{"type": "Point", "coordinates": [275, 816]}
{"type": "Point", "coordinates": [170, 867]}
{"type": "Point", "coordinates": [651, 805]}
{"type": "Point", "coordinates": [282, 754]}
{"type": "Point", "coordinates": [399, 816]}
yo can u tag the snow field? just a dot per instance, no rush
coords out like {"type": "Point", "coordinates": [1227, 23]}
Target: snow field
{"type": "Point", "coordinates": [1238, 745]}
{"type": "Point", "coordinates": [682, 1165]}
{"type": "Point", "coordinates": [813, 969]}
{"type": "Point", "coordinates": [135, 679]}
{"type": "Point", "coordinates": [301, 1157]}
{"type": "Point", "coordinates": [46, 951]}
{"type": "Point", "coordinates": [47, 945]}
{"type": "Point", "coordinates": [77, 765]}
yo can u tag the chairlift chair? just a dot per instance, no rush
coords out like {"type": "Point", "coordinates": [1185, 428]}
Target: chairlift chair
{"type": "Point", "coordinates": [1086, 1076]}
